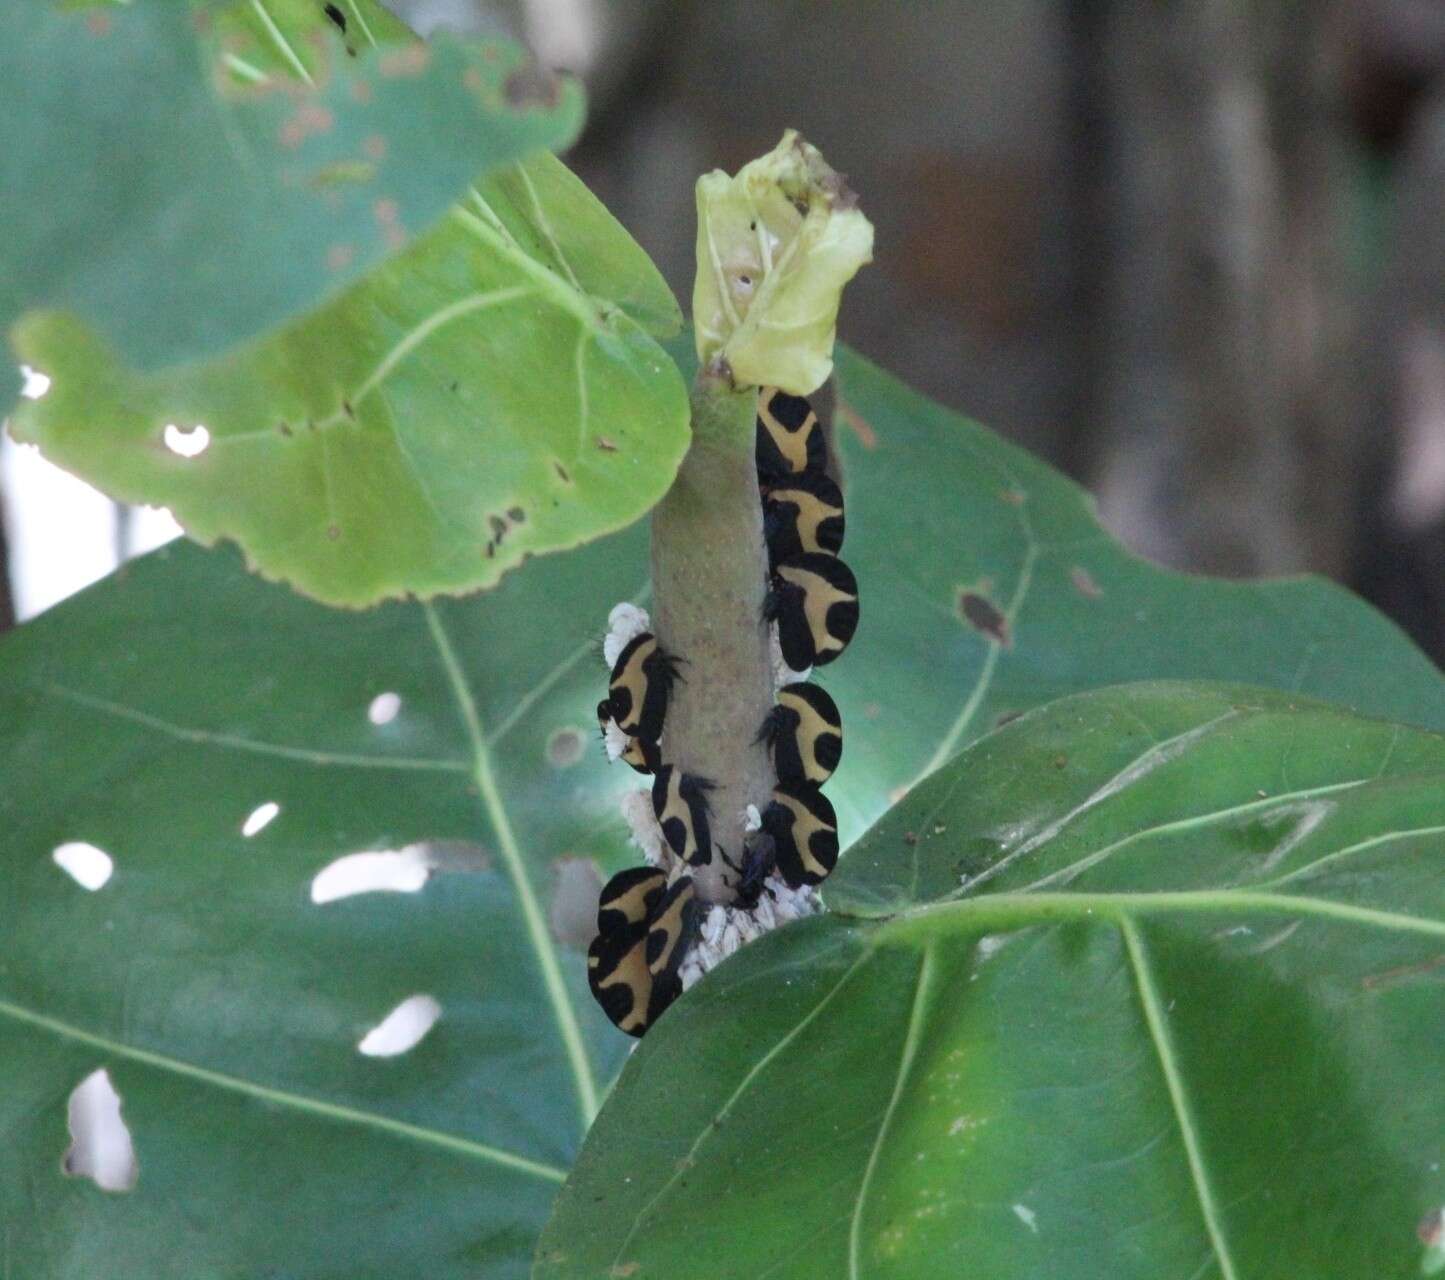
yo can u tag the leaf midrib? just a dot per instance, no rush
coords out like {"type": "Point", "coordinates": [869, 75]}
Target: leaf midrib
{"type": "Point", "coordinates": [1019, 910]}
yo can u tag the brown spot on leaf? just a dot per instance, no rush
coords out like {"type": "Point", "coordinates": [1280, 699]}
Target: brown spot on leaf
{"type": "Point", "coordinates": [983, 615]}
{"type": "Point", "coordinates": [409, 60]}
{"type": "Point", "coordinates": [565, 748]}
{"type": "Point", "coordinates": [361, 91]}
{"type": "Point", "coordinates": [98, 24]}
{"type": "Point", "coordinates": [1006, 717]}
{"type": "Point", "coordinates": [516, 515]}
{"type": "Point", "coordinates": [910, 838]}
{"type": "Point", "coordinates": [532, 85]}
{"type": "Point", "coordinates": [394, 236]}
{"type": "Point", "coordinates": [606, 445]}
{"type": "Point", "coordinates": [872, 710]}
{"type": "Point", "coordinates": [337, 17]}
{"type": "Point", "coordinates": [1014, 497]}
{"type": "Point", "coordinates": [333, 532]}
{"type": "Point", "coordinates": [284, 428]}
{"type": "Point", "coordinates": [498, 527]}
{"type": "Point", "coordinates": [1061, 762]}
{"type": "Point", "coordinates": [867, 437]}
{"type": "Point", "coordinates": [561, 473]}
{"type": "Point", "coordinates": [374, 146]}
{"type": "Point", "coordinates": [1389, 977]}
{"type": "Point", "coordinates": [386, 210]}
{"type": "Point", "coordinates": [1432, 1229]}
{"type": "Point", "coordinates": [1084, 583]}
{"type": "Point", "coordinates": [621, 1270]}
{"type": "Point", "coordinates": [472, 80]}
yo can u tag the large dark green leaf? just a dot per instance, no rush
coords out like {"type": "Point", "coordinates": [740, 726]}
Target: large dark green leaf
{"type": "Point", "coordinates": [487, 395]}
{"type": "Point", "coordinates": [149, 190]}
{"type": "Point", "coordinates": [1160, 995]}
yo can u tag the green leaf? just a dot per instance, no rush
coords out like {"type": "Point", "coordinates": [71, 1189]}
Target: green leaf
{"type": "Point", "coordinates": [189, 199]}
{"type": "Point", "coordinates": [1181, 1019]}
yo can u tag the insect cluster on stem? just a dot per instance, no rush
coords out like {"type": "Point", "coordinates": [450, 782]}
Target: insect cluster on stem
{"type": "Point", "coordinates": [648, 918]}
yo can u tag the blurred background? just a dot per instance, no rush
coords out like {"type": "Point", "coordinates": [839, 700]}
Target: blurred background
{"type": "Point", "coordinates": [1190, 251]}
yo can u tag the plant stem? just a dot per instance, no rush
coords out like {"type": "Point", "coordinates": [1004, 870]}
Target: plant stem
{"type": "Point", "coordinates": [709, 575]}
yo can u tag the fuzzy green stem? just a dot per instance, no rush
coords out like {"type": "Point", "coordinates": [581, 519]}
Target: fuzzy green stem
{"type": "Point", "coordinates": [709, 576]}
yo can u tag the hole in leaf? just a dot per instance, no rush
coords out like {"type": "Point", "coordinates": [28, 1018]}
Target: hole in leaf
{"type": "Point", "coordinates": [186, 444]}
{"type": "Point", "coordinates": [572, 913]}
{"type": "Point", "coordinates": [260, 818]}
{"type": "Point", "coordinates": [100, 1144]}
{"type": "Point", "coordinates": [88, 866]}
{"type": "Point", "coordinates": [36, 383]}
{"type": "Point", "coordinates": [385, 871]}
{"type": "Point", "coordinates": [384, 708]}
{"type": "Point", "coordinates": [402, 1028]}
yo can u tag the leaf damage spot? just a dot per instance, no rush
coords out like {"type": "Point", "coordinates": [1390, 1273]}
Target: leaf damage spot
{"type": "Point", "coordinates": [384, 708]}
{"type": "Point", "coordinates": [983, 615]}
{"type": "Point", "coordinates": [867, 437]}
{"type": "Point", "coordinates": [1084, 583]}
{"type": "Point", "coordinates": [1432, 1229]}
{"type": "Point", "coordinates": [339, 256]}
{"type": "Point", "coordinates": [532, 85]}
{"type": "Point", "coordinates": [337, 17]}
{"type": "Point", "coordinates": [409, 60]}
{"type": "Point", "coordinates": [373, 147]}
{"type": "Point", "coordinates": [562, 473]}
{"type": "Point", "coordinates": [501, 525]}
{"type": "Point", "coordinates": [310, 118]}
{"type": "Point", "coordinates": [381, 871]}
{"type": "Point", "coordinates": [261, 817]}
{"type": "Point", "coordinates": [606, 445]}
{"type": "Point", "coordinates": [1014, 497]}
{"type": "Point", "coordinates": [621, 1270]}
{"type": "Point", "coordinates": [1402, 973]}
{"type": "Point", "coordinates": [565, 748]}
{"type": "Point", "coordinates": [1027, 1216]}
{"type": "Point", "coordinates": [36, 383]}
{"type": "Point", "coordinates": [98, 24]}
{"type": "Point", "coordinates": [402, 1029]}
{"type": "Point", "coordinates": [572, 911]}
{"type": "Point", "coordinates": [91, 868]}
{"type": "Point", "coordinates": [184, 443]}
{"type": "Point", "coordinates": [100, 1148]}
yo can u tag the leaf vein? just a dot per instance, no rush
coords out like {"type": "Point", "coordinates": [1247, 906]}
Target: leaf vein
{"type": "Point", "coordinates": [282, 1097]}
{"type": "Point", "coordinates": [1178, 1095]}
{"type": "Point", "coordinates": [236, 742]}
{"type": "Point", "coordinates": [905, 1065]}
{"type": "Point", "coordinates": [546, 952]}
